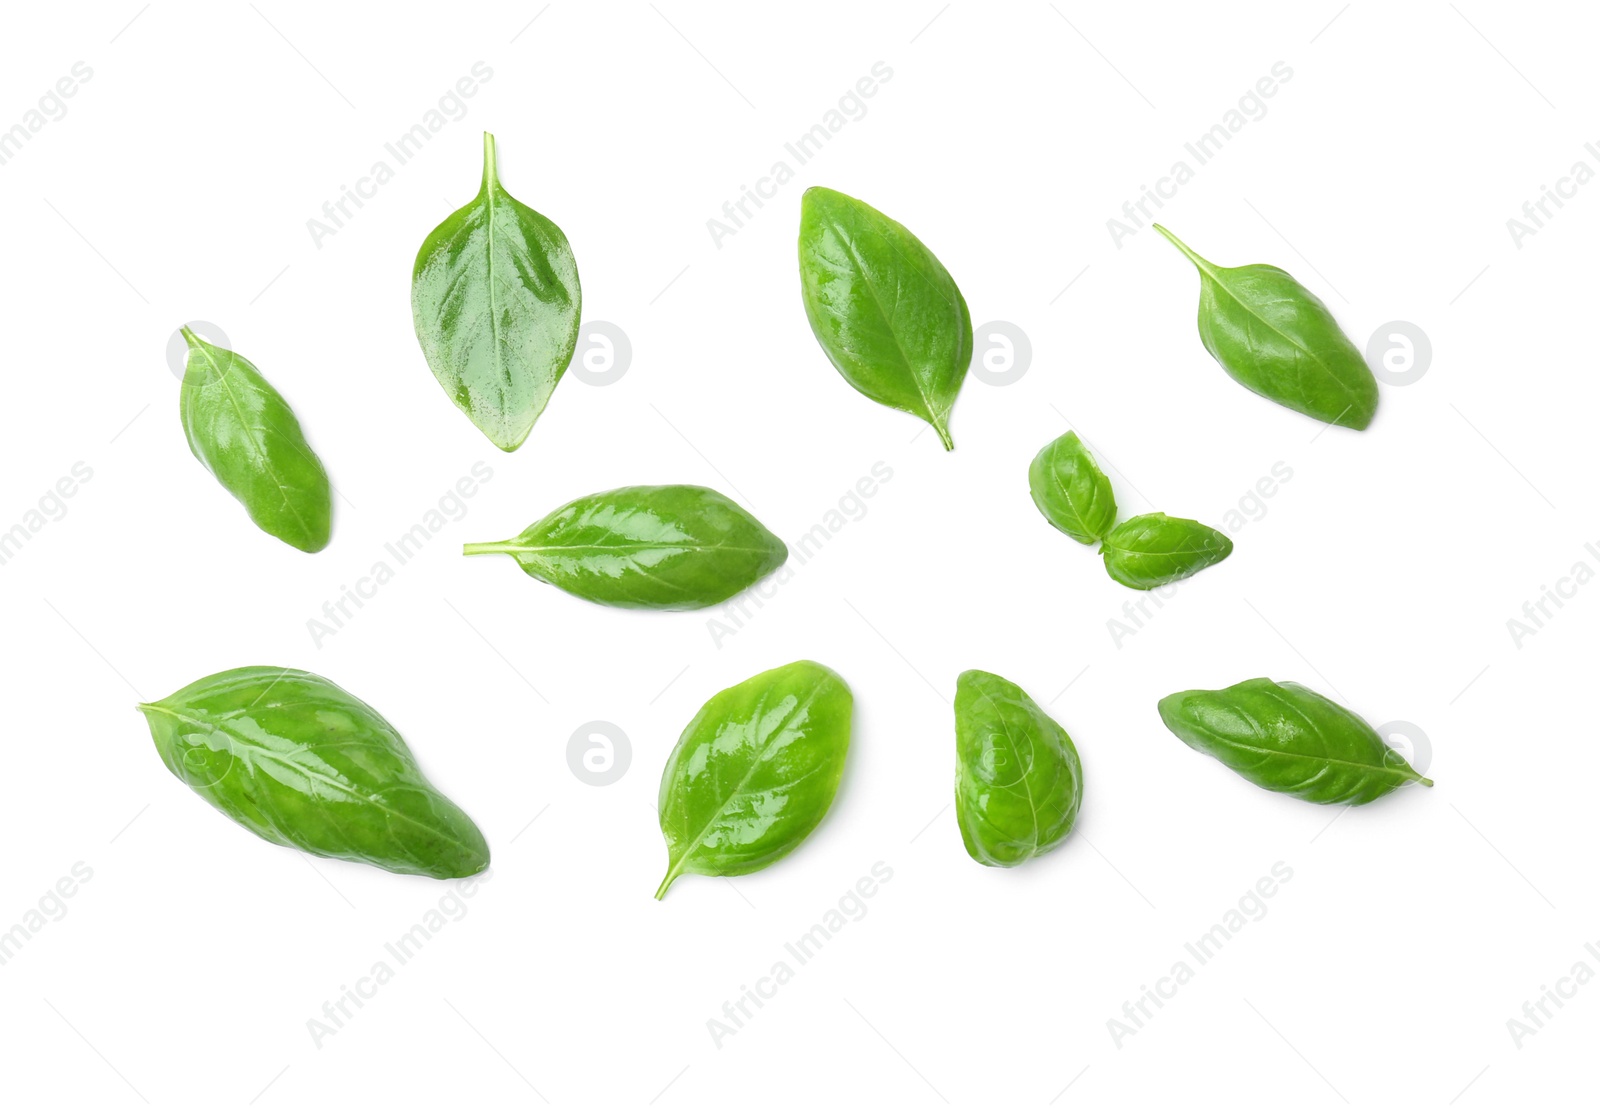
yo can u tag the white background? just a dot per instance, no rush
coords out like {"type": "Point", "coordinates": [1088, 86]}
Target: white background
{"type": "Point", "coordinates": [178, 187]}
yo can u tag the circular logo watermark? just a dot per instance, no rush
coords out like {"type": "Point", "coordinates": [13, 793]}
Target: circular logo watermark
{"type": "Point", "coordinates": [178, 347]}
{"type": "Point", "coordinates": [205, 766]}
{"type": "Point", "coordinates": [603, 354]}
{"type": "Point", "coordinates": [1003, 353]}
{"type": "Point", "coordinates": [1399, 353]}
{"type": "Point", "coordinates": [599, 753]}
{"type": "Point", "coordinates": [1410, 742]}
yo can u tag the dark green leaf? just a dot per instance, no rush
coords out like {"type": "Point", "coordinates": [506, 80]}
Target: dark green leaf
{"type": "Point", "coordinates": [495, 300]}
{"type": "Point", "coordinates": [1018, 779]}
{"type": "Point", "coordinates": [754, 772]}
{"type": "Point", "coordinates": [1275, 338]}
{"type": "Point", "coordinates": [1285, 738]}
{"type": "Point", "coordinates": [1070, 490]}
{"type": "Point", "coordinates": [888, 315]}
{"type": "Point", "coordinates": [301, 763]}
{"type": "Point", "coordinates": [246, 434]}
{"type": "Point", "coordinates": [1156, 549]}
{"type": "Point", "coordinates": [647, 546]}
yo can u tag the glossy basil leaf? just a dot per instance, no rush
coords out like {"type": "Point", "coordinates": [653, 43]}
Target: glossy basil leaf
{"type": "Point", "coordinates": [1285, 738]}
{"type": "Point", "coordinates": [1018, 779]}
{"type": "Point", "coordinates": [1275, 338]}
{"type": "Point", "coordinates": [245, 433]}
{"type": "Point", "coordinates": [1071, 492]}
{"type": "Point", "coordinates": [495, 301]}
{"type": "Point", "coordinates": [647, 546]}
{"type": "Point", "coordinates": [888, 315]}
{"type": "Point", "coordinates": [754, 772]}
{"type": "Point", "coordinates": [1156, 549]}
{"type": "Point", "coordinates": [301, 763]}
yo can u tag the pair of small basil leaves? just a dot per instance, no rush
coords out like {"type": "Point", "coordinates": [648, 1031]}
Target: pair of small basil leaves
{"type": "Point", "coordinates": [301, 763]}
{"type": "Point", "coordinates": [496, 303]}
{"type": "Point", "coordinates": [1276, 338]}
{"type": "Point", "coordinates": [245, 433]}
{"type": "Point", "coordinates": [646, 546]}
{"type": "Point", "coordinates": [1143, 552]}
{"type": "Point", "coordinates": [1287, 738]}
{"type": "Point", "coordinates": [886, 312]}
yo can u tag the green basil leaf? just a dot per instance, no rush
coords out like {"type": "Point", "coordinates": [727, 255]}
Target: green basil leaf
{"type": "Point", "coordinates": [1275, 338]}
{"type": "Point", "coordinates": [754, 772]}
{"type": "Point", "coordinates": [245, 433]}
{"type": "Point", "coordinates": [888, 315]}
{"type": "Point", "coordinates": [1018, 779]}
{"type": "Point", "coordinates": [1156, 549]}
{"type": "Point", "coordinates": [1285, 738]}
{"type": "Point", "coordinates": [647, 546]}
{"type": "Point", "coordinates": [301, 763]}
{"type": "Point", "coordinates": [1071, 492]}
{"type": "Point", "coordinates": [495, 301]}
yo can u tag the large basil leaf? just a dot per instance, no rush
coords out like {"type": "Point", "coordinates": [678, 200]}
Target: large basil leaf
{"type": "Point", "coordinates": [245, 433]}
{"type": "Point", "coordinates": [1275, 338]}
{"type": "Point", "coordinates": [1018, 779]}
{"type": "Point", "coordinates": [647, 546]}
{"type": "Point", "coordinates": [495, 301]}
{"type": "Point", "coordinates": [754, 772]}
{"type": "Point", "coordinates": [888, 315]}
{"type": "Point", "coordinates": [1156, 549]}
{"type": "Point", "coordinates": [302, 763]}
{"type": "Point", "coordinates": [1071, 492]}
{"type": "Point", "coordinates": [1285, 738]}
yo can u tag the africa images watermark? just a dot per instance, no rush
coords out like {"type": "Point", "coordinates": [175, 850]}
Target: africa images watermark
{"type": "Point", "coordinates": [1552, 599]}
{"type": "Point", "coordinates": [451, 508]}
{"type": "Point", "coordinates": [849, 508]}
{"type": "Point", "coordinates": [48, 909]}
{"type": "Point", "coordinates": [1537, 213]}
{"type": "Point", "coordinates": [449, 909]}
{"type": "Point", "coordinates": [1536, 1014]}
{"type": "Point", "coordinates": [1251, 108]}
{"type": "Point", "coordinates": [51, 108]}
{"type": "Point", "coordinates": [850, 108]}
{"type": "Point", "coordinates": [451, 107]}
{"type": "Point", "coordinates": [1251, 907]}
{"type": "Point", "coordinates": [850, 908]}
{"type": "Point", "coordinates": [50, 508]}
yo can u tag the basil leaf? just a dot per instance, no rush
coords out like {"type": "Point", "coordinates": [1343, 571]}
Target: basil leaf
{"type": "Point", "coordinates": [301, 763]}
{"type": "Point", "coordinates": [1285, 738]}
{"type": "Point", "coordinates": [1071, 492]}
{"type": "Point", "coordinates": [1156, 549]}
{"type": "Point", "coordinates": [754, 772]}
{"type": "Point", "coordinates": [245, 433]}
{"type": "Point", "coordinates": [1018, 779]}
{"type": "Point", "coordinates": [888, 315]}
{"type": "Point", "coordinates": [495, 301]}
{"type": "Point", "coordinates": [1275, 338]}
{"type": "Point", "coordinates": [647, 546]}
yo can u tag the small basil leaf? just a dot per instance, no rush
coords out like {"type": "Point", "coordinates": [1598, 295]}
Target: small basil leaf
{"type": "Point", "coordinates": [1156, 549]}
{"type": "Point", "coordinates": [1275, 338]}
{"type": "Point", "coordinates": [1018, 779]}
{"type": "Point", "coordinates": [301, 763]}
{"type": "Point", "coordinates": [245, 433]}
{"type": "Point", "coordinates": [647, 546]}
{"type": "Point", "coordinates": [1285, 738]}
{"type": "Point", "coordinates": [495, 301]}
{"type": "Point", "coordinates": [1070, 490]}
{"type": "Point", "coordinates": [754, 772]}
{"type": "Point", "coordinates": [888, 315]}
